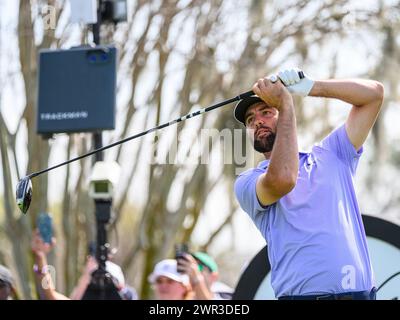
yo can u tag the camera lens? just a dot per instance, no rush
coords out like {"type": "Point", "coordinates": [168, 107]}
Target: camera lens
{"type": "Point", "coordinates": [92, 58]}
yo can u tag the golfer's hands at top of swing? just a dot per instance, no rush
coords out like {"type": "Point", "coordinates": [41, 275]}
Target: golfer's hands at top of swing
{"type": "Point", "coordinates": [275, 94]}
{"type": "Point", "coordinates": [296, 85]}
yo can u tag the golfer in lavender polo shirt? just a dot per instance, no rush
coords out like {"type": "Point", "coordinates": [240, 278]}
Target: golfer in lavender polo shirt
{"type": "Point", "coordinates": [304, 204]}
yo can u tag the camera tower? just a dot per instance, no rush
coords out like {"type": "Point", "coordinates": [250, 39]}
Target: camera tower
{"type": "Point", "coordinates": [102, 286]}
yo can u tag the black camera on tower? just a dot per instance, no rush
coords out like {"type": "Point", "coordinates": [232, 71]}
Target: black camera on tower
{"type": "Point", "coordinates": [114, 11]}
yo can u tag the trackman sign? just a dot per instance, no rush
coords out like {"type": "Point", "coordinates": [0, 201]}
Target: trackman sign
{"type": "Point", "coordinates": [50, 116]}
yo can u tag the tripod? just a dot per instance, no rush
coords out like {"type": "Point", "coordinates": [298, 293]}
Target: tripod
{"type": "Point", "coordinates": [102, 286]}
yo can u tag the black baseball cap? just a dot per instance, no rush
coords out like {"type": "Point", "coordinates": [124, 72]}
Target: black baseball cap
{"type": "Point", "coordinates": [243, 105]}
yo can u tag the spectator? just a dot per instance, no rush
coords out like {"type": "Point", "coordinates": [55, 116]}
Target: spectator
{"type": "Point", "coordinates": [203, 274]}
{"type": "Point", "coordinates": [126, 292]}
{"type": "Point", "coordinates": [41, 249]}
{"type": "Point", "coordinates": [209, 269]}
{"type": "Point", "coordinates": [168, 283]}
{"type": "Point", "coordinates": [7, 284]}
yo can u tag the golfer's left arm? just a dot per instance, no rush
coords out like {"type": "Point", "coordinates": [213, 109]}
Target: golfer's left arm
{"type": "Point", "coordinates": [366, 96]}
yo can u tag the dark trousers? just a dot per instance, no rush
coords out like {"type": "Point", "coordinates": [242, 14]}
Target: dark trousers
{"type": "Point", "coordinates": [360, 295]}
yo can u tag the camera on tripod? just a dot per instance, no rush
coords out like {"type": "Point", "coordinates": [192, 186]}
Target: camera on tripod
{"type": "Point", "coordinates": [104, 177]}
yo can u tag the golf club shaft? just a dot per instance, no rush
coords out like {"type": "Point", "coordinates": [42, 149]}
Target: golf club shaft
{"type": "Point", "coordinates": [161, 126]}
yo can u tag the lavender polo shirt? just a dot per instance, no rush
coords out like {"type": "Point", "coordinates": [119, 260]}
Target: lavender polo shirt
{"type": "Point", "coordinates": [315, 235]}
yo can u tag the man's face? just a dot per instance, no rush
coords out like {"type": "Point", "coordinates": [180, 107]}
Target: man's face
{"type": "Point", "coordinates": [169, 289]}
{"type": "Point", "coordinates": [262, 119]}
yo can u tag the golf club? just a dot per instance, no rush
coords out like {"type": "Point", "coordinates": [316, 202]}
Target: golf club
{"type": "Point", "coordinates": [24, 186]}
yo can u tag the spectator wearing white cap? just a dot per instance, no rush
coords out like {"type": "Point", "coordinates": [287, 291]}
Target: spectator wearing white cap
{"type": "Point", "coordinates": [168, 283]}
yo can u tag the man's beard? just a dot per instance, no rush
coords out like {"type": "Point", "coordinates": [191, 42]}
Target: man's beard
{"type": "Point", "coordinates": [265, 144]}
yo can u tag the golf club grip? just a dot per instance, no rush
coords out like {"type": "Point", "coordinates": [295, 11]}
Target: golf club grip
{"type": "Point", "coordinates": [251, 93]}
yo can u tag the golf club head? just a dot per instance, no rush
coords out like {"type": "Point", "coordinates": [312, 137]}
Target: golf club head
{"type": "Point", "coordinates": [24, 194]}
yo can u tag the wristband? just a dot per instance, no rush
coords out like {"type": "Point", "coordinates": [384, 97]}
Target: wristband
{"type": "Point", "coordinates": [42, 271]}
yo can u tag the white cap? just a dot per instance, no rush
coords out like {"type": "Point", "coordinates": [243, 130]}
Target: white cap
{"type": "Point", "coordinates": [116, 271]}
{"type": "Point", "coordinates": [167, 268]}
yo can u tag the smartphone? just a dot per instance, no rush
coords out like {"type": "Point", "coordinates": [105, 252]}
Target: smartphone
{"type": "Point", "coordinates": [45, 226]}
{"type": "Point", "coordinates": [180, 250]}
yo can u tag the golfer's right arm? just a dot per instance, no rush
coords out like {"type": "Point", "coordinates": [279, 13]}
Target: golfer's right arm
{"type": "Point", "coordinates": [281, 176]}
